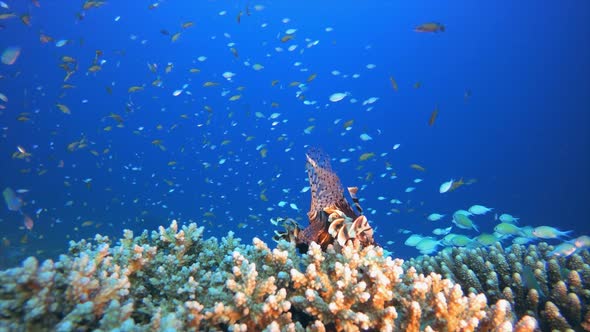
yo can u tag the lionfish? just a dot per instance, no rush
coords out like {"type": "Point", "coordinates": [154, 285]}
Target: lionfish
{"type": "Point", "coordinates": [331, 218]}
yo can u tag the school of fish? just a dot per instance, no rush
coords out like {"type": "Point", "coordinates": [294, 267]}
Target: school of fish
{"type": "Point", "coordinates": [186, 132]}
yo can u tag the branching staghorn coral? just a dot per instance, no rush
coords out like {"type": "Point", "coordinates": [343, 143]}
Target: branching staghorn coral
{"type": "Point", "coordinates": [174, 279]}
{"type": "Point", "coordinates": [554, 290]}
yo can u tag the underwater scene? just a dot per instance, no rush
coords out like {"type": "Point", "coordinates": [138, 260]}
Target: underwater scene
{"type": "Point", "coordinates": [245, 165]}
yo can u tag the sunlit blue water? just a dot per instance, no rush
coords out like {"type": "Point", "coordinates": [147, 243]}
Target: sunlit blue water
{"type": "Point", "coordinates": [521, 133]}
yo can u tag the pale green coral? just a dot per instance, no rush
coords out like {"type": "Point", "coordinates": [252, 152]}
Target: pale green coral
{"type": "Point", "coordinates": [554, 290]}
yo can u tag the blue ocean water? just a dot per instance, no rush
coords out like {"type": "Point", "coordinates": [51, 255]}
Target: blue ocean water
{"type": "Point", "coordinates": [509, 80]}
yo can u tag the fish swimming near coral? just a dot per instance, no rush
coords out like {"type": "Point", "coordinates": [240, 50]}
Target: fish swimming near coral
{"type": "Point", "coordinates": [328, 206]}
{"type": "Point", "coordinates": [530, 281]}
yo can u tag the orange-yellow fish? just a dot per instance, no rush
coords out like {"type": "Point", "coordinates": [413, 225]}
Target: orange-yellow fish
{"type": "Point", "coordinates": [67, 59]}
{"type": "Point", "coordinates": [94, 68]}
{"type": "Point", "coordinates": [286, 38]}
{"type": "Point", "coordinates": [366, 155]}
{"type": "Point", "coordinates": [418, 167]}
{"type": "Point", "coordinates": [433, 116]}
{"type": "Point", "coordinates": [135, 88]}
{"type": "Point", "coordinates": [7, 15]}
{"type": "Point", "coordinates": [116, 117]}
{"type": "Point", "coordinates": [26, 19]}
{"type": "Point", "coordinates": [430, 27]}
{"type": "Point", "coordinates": [158, 143]}
{"type": "Point", "coordinates": [175, 37]}
{"type": "Point", "coordinates": [63, 108]}
{"type": "Point", "coordinates": [92, 4]}
{"type": "Point", "coordinates": [44, 39]}
{"type": "Point", "coordinates": [393, 83]}
{"type": "Point", "coordinates": [457, 184]}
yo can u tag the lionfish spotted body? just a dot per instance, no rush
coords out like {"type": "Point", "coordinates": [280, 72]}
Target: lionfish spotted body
{"type": "Point", "coordinates": [331, 217]}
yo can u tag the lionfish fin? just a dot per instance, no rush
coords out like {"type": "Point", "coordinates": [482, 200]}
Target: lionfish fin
{"type": "Point", "coordinates": [352, 191]}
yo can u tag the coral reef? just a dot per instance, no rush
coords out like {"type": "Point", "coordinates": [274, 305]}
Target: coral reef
{"type": "Point", "coordinates": [554, 290]}
{"type": "Point", "coordinates": [173, 279]}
